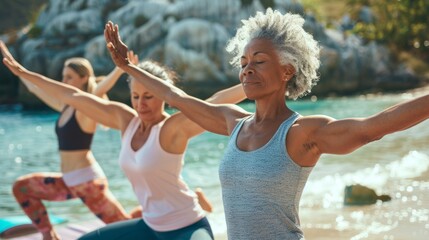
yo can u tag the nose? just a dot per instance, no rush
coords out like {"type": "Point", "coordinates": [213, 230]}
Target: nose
{"type": "Point", "coordinates": [247, 70]}
{"type": "Point", "coordinates": [142, 104]}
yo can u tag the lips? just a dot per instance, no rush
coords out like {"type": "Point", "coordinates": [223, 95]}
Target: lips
{"type": "Point", "coordinates": [250, 83]}
{"type": "Point", "coordinates": [144, 112]}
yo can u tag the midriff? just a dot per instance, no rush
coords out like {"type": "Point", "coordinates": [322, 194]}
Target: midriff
{"type": "Point", "coordinates": [74, 160]}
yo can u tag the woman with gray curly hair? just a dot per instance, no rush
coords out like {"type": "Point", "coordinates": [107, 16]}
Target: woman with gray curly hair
{"type": "Point", "coordinates": [272, 151]}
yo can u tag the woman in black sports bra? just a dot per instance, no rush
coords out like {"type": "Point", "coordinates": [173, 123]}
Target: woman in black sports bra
{"type": "Point", "coordinates": [173, 211]}
{"type": "Point", "coordinates": [81, 176]}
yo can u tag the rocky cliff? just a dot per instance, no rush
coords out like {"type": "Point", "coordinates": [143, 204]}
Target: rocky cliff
{"type": "Point", "coordinates": [190, 36]}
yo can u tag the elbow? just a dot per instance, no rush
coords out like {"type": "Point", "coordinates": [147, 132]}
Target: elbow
{"type": "Point", "coordinates": [358, 142]}
{"type": "Point", "coordinates": [73, 96]}
{"type": "Point", "coordinates": [368, 138]}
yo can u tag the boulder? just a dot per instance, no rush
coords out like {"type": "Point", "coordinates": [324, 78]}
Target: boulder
{"type": "Point", "coordinates": [361, 195]}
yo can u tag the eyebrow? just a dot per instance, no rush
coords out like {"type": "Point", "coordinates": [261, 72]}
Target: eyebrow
{"type": "Point", "coordinates": [254, 54]}
{"type": "Point", "coordinates": [144, 93]}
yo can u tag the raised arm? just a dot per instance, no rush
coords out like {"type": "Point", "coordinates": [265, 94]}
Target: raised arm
{"type": "Point", "coordinates": [178, 129]}
{"type": "Point", "coordinates": [215, 118]}
{"type": "Point", "coordinates": [109, 81]}
{"type": "Point", "coordinates": [111, 114]}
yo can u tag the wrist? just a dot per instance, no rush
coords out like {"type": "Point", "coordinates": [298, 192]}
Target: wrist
{"type": "Point", "coordinates": [119, 70]}
{"type": "Point", "coordinates": [126, 67]}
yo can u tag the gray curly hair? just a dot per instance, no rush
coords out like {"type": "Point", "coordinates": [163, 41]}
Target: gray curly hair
{"type": "Point", "coordinates": [294, 46]}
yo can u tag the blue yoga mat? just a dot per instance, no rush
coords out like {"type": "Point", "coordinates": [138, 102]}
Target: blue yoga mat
{"type": "Point", "coordinates": [15, 224]}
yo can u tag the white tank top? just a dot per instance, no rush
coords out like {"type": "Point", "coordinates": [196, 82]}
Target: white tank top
{"type": "Point", "coordinates": [155, 175]}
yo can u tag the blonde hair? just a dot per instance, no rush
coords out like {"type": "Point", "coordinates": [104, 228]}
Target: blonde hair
{"type": "Point", "coordinates": [294, 46]}
{"type": "Point", "coordinates": [84, 69]}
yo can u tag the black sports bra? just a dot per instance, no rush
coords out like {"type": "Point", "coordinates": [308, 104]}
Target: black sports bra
{"type": "Point", "coordinates": [70, 136]}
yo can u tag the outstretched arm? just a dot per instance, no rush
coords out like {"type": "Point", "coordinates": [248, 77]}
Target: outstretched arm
{"type": "Point", "coordinates": [102, 87]}
{"type": "Point", "coordinates": [43, 96]}
{"type": "Point", "coordinates": [215, 118]}
{"type": "Point", "coordinates": [111, 114]}
{"type": "Point", "coordinates": [109, 81]}
{"type": "Point", "coordinates": [344, 136]}
{"type": "Point", "coordinates": [315, 135]}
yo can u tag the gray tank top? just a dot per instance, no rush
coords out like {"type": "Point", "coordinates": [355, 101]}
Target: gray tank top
{"type": "Point", "coordinates": [261, 189]}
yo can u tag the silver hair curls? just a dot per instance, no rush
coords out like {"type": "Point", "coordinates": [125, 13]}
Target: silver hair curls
{"type": "Point", "coordinates": [294, 46]}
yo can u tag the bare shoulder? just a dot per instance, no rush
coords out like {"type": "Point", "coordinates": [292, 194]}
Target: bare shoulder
{"type": "Point", "coordinates": [233, 115]}
{"type": "Point", "coordinates": [306, 126]}
{"type": "Point", "coordinates": [314, 121]}
{"type": "Point", "coordinates": [304, 149]}
{"type": "Point", "coordinates": [176, 122]}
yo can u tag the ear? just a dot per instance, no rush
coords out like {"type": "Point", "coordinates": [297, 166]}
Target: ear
{"type": "Point", "coordinates": [288, 72]}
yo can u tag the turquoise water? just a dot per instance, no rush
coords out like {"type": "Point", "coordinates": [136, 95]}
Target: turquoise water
{"type": "Point", "coordinates": [396, 165]}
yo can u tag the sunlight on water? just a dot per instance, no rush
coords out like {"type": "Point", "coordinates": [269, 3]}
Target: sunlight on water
{"type": "Point", "coordinates": [411, 166]}
{"type": "Point", "coordinates": [406, 181]}
{"type": "Point", "coordinates": [331, 187]}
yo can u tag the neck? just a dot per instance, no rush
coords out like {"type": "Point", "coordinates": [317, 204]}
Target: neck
{"type": "Point", "coordinates": [145, 125]}
{"type": "Point", "coordinates": [271, 109]}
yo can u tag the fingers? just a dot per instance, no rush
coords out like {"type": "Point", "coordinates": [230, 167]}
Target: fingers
{"type": "Point", "coordinates": [110, 46]}
{"type": "Point", "coordinates": [116, 33]}
{"type": "Point", "coordinates": [8, 63]}
{"type": "Point", "coordinates": [108, 32]}
{"type": "Point", "coordinates": [132, 57]}
{"type": "Point", "coordinates": [7, 57]}
{"type": "Point", "coordinates": [12, 67]}
{"type": "Point", "coordinates": [6, 54]}
{"type": "Point", "coordinates": [111, 34]}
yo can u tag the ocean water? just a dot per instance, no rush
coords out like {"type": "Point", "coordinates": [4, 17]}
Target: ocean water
{"type": "Point", "coordinates": [396, 165]}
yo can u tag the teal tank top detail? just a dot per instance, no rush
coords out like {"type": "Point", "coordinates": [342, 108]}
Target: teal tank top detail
{"type": "Point", "coordinates": [261, 189]}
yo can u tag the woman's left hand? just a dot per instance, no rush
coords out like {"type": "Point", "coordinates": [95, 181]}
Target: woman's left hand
{"type": "Point", "coordinates": [132, 57]}
{"type": "Point", "coordinates": [10, 62]}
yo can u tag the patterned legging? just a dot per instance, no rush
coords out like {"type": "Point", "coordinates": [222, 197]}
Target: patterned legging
{"type": "Point", "coordinates": [30, 190]}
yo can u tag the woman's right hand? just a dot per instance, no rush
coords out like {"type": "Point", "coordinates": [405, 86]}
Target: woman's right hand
{"type": "Point", "coordinates": [10, 62]}
{"type": "Point", "coordinates": [118, 50]}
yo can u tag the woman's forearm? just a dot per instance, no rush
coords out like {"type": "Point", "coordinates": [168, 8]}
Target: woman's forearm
{"type": "Point", "coordinates": [42, 95]}
{"type": "Point", "coordinates": [160, 88]}
{"type": "Point", "coordinates": [402, 116]}
{"type": "Point", "coordinates": [108, 82]}
{"type": "Point", "coordinates": [234, 94]}
{"type": "Point", "coordinates": [54, 89]}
